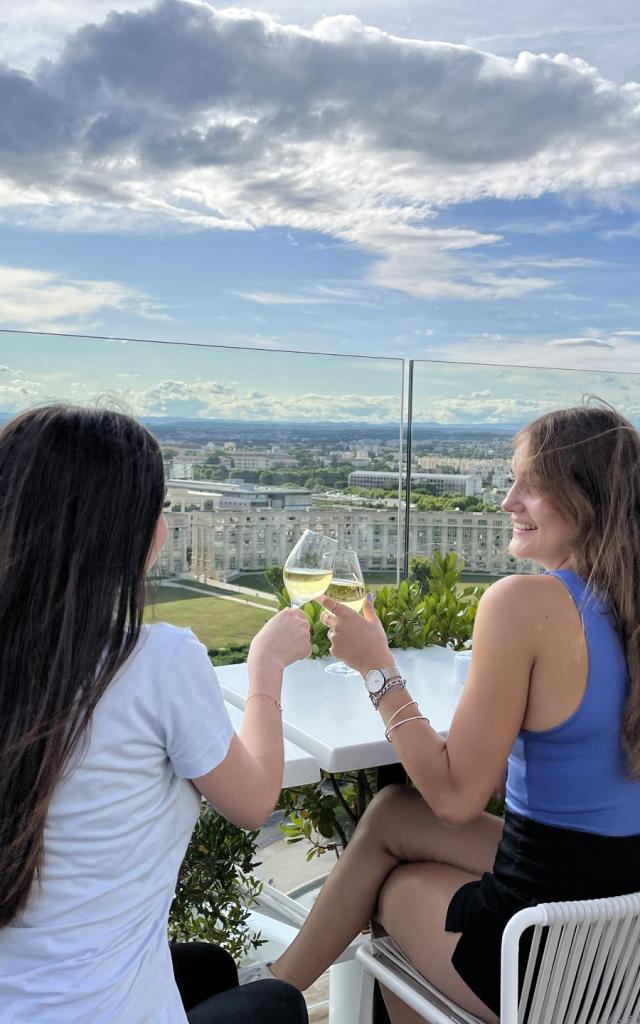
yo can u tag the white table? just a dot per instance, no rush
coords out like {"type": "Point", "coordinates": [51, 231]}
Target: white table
{"type": "Point", "coordinates": [331, 717]}
{"type": "Point", "coordinates": [300, 768]}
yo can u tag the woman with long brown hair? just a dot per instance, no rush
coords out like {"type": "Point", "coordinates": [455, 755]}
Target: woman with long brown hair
{"type": "Point", "coordinates": [110, 734]}
{"type": "Point", "coordinates": [554, 689]}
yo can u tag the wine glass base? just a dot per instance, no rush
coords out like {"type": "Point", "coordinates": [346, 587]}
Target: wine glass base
{"type": "Point", "coordinates": [338, 668]}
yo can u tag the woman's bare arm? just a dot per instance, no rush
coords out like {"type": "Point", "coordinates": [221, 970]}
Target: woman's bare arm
{"type": "Point", "coordinates": [245, 786]}
{"type": "Point", "coordinates": [457, 776]}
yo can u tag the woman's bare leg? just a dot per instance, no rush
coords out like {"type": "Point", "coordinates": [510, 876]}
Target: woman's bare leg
{"type": "Point", "coordinates": [398, 828]}
{"type": "Point", "coordinates": [412, 909]}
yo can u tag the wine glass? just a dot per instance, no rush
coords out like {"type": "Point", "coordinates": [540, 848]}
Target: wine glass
{"type": "Point", "coordinates": [346, 587]}
{"type": "Point", "coordinates": [309, 567]}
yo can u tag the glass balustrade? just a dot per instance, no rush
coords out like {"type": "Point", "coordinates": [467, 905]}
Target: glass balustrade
{"type": "Point", "coordinates": [258, 445]}
{"type": "Point", "coordinates": [463, 421]}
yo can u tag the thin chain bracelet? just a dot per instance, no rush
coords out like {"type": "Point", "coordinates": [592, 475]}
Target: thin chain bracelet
{"type": "Point", "coordinates": [268, 696]}
{"type": "Point", "coordinates": [415, 718]}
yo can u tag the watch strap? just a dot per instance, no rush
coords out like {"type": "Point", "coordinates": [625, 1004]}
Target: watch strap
{"type": "Point", "coordinates": [390, 684]}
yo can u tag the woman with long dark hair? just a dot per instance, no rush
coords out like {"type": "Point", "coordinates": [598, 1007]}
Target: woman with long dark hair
{"type": "Point", "coordinates": [110, 734]}
{"type": "Point", "coordinates": [554, 689]}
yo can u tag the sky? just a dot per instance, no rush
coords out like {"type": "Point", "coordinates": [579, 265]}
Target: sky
{"type": "Point", "coordinates": [408, 180]}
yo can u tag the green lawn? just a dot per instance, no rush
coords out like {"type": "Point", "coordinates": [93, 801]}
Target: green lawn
{"type": "Point", "coordinates": [186, 588]}
{"type": "Point", "coordinates": [253, 581]}
{"type": "Point", "coordinates": [216, 622]}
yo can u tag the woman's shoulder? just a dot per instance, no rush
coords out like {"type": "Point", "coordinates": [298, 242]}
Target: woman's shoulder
{"type": "Point", "coordinates": [162, 640]}
{"type": "Point", "coordinates": [521, 585]}
{"type": "Point", "coordinates": [523, 595]}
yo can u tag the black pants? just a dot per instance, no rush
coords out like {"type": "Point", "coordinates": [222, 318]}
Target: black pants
{"type": "Point", "coordinates": [207, 980]}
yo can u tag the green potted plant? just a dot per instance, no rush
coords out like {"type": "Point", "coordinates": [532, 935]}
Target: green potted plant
{"type": "Point", "coordinates": [216, 887]}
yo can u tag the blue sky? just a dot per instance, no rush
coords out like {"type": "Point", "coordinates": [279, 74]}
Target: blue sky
{"type": "Point", "coordinates": [409, 180]}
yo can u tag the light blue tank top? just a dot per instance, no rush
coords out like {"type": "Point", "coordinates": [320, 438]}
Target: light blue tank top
{"type": "Point", "coordinates": [574, 775]}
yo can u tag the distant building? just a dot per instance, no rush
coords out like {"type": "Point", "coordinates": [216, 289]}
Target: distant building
{"type": "Point", "coordinates": [254, 460]}
{"type": "Point", "coordinates": [173, 557]}
{"type": "Point", "coordinates": [442, 483]}
{"type": "Point", "coordinates": [178, 469]}
{"type": "Point", "coordinates": [225, 543]}
{"type": "Point", "coordinates": [202, 494]}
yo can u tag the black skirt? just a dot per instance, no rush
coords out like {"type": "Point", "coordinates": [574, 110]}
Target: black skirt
{"type": "Point", "coordinates": [534, 863]}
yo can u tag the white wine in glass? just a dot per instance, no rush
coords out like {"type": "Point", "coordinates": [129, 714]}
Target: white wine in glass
{"type": "Point", "coordinates": [346, 587]}
{"type": "Point", "coordinates": [308, 570]}
{"type": "Point", "coordinates": [349, 592]}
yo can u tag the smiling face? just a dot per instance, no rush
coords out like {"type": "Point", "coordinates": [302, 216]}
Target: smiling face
{"type": "Point", "coordinates": [540, 532]}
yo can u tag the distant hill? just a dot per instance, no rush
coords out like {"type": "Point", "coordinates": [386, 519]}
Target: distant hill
{"type": "Point", "coordinates": [162, 425]}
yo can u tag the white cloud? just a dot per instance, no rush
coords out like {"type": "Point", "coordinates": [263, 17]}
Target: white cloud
{"type": "Point", "coordinates": [579, 343]}
{"type": "Point", "coordinates": [42, 300]}
{"type": "Point", "coordinates": [589, 351]}
{"type": "Point", "coordinates": [538, 226]}
{"type": "Point", "coordinates": [480, 407]}
{"type": "Point", "coordinates": [202, 399]}
{"type": "Point", "coordinates": [341, 129]}
{"type": "Point", "coordinates": [605, 36]}
{"type": "Point", "coordinates": [633, 231]}
{"type": "Point", "coordinates": [17, 391]}
{"type": "Point", "coordinates": [281, 299]}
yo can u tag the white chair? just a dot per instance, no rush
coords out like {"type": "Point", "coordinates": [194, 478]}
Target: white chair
{"type": "Point", "coordinates": [583, 968]}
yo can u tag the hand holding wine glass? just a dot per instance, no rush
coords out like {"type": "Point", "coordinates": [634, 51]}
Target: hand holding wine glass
{"type": "Point", "coordinates": [347, 588]}
{"type": "Point", "coordinates": [308, 570]}
{"type": "Point", "coordinates": [359, 639]}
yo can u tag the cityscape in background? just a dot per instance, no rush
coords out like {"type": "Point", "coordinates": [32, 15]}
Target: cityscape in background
{"type": "Point", "coordinates": [239, 505]}
{"type": "Point", "coordinates": [260, 445]}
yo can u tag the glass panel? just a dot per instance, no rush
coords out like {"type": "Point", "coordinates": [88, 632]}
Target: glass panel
{"type": "Point", "coordinates": [464, 419]}
{"type": "Point", "coordinates": [258, 445]}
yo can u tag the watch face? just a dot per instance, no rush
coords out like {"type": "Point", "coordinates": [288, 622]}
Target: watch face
{"type": "Point", "coordinates": [375, 680]}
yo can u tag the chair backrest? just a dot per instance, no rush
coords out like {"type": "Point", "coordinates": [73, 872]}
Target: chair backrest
{"type": "Point", "coordinates": [583, 965]}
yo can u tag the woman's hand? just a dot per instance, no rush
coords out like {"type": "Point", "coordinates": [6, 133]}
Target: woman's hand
{"type": "Point", "coordinates": [282, 640]}
{"type": "Point", "coordinates": [358, 640]}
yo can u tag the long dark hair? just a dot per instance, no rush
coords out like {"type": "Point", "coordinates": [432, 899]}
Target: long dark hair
{"type": "Point", "coordinates": [586, 462]}
{"type": "Point", "coordinates": [81, 491]}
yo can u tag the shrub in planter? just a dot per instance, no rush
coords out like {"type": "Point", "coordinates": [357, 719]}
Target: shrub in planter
{"type": "Point", "coordinates": [216, 887]}
{"type": "Point", "coordinates": [231, 655]}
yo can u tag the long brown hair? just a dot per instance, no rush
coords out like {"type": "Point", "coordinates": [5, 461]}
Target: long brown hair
{"type": "Point", "coordinates": [81, 491]}
{"type": "Point", "coordinates": [586, 462]}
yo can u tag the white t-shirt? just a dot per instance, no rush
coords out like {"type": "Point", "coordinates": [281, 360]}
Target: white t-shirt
{"type": "Point", "coordinates": [91, 946]}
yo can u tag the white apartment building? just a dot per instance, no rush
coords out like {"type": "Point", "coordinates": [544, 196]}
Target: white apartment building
{"type": "Point", "coordinates": [179, 469]}
{"type": "Point", "coordinates": [254, 460]}
{"type": "Point", "coordinates": [443, 483]}
{"type": "Point", "coordinates": [173, 557]}
{"type": "Point", "coordinates": [226, 543]}
{"type": "Point", "coordinates": [206, 495]}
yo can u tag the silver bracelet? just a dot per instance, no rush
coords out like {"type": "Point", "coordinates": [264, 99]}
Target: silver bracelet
{"type": "Point", "coordinates": [396, 713]}
{"type": "Point", "coordinates": [415, 718]}
{"type": "Point", "coordinates": [389, 685]}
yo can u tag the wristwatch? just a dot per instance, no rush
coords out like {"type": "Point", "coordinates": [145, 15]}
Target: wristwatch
{"type": "Point", "coordinates": [380, 680]}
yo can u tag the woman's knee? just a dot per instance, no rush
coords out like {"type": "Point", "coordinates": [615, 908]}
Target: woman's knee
{"type": "Point", "coordinates": [261, 1002]}
{"type": "Point", "coordinates": [278, 1001]}
{"type": "Point", "coordinates": [390, 808]}
{"type": "Point", "coordinates": [395, 892]}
